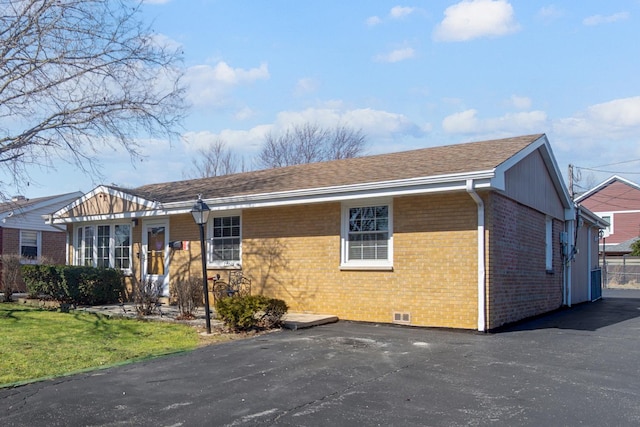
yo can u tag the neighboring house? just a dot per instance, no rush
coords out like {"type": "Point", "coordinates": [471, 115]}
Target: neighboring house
{"type": "Point", "coordinates": [24, 231]}
{"type": "Point", "coordinates": [470, 236]}
{"type": "Point", "coordinates": [617, 201]}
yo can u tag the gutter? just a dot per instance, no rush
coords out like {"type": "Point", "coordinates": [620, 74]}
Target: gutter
{"type": "Point", "coordinates": [482, 315]}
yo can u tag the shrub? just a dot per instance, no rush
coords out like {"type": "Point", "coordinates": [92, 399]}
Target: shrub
{"type": "Point", "coordinates": [43, 280]}
{"type": "Point", "coordinates": [11, 276]}
{"type": "Point", "coordinates": [243, 313]}
{"type": "Point", "coordinates": [146, 296]}
{"type": "Point", "coordinates": [188, 295]}
{"type": "Point", "coordinates": [74, 284]}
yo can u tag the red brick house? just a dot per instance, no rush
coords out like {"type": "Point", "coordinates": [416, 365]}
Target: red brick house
{"type": "Point", "coordinates": [470, 235]}
{"type": "Point", "coordinates": [24, 231]}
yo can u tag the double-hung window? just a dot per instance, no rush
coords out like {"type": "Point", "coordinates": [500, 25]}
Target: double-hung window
{"type": "Point", "coordinates": [367, 236]}
{"type": "Point", "coordinates": [104, 245]}
{"type": "Point", "coordinates": [225, 237]}
{"type": "Point", "coordinates": [29, 245]}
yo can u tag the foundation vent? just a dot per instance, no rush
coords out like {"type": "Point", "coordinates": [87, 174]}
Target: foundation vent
{"type": "Point", "coordinates": [404, 318]}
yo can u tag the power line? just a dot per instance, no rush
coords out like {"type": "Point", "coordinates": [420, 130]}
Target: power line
{"type": "Point", "coordinates": [608, 171]}
{"type": "Point", "coordinates": [613, 164]}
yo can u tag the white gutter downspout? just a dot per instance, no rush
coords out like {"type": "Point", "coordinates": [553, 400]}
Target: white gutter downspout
{"type": "Point", "coordinates": [481, 257]}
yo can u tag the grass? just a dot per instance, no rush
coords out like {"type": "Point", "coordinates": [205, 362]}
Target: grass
{"type": "Point", "coordinates": [40, 343]}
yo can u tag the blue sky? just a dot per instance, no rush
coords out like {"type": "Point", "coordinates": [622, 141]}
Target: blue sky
{"type": "Point", "coordinates": [409, 74]}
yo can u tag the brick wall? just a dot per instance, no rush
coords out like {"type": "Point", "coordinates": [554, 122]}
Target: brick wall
{"type": "Point", "coordinates": [518, 284]}
{"type": "Point", "coordinates": [53, 247]}
{"type": "Point", "coordinates": [293, 253]}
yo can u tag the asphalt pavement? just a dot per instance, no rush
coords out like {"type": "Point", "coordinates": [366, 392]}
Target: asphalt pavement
{"type": "Point", "coordinates": [578, 366]}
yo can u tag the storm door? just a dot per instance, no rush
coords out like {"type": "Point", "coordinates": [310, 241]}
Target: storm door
{"type": "Point", "coordinates": [155, 249]}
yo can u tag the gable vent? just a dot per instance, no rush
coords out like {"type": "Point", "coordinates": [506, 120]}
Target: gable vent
{"type": "Point", "coordinates": [404, 318]}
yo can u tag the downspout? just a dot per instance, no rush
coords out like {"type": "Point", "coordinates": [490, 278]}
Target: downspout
{"type": "Point", "coordinates": [481, 257]}
{"type": "Point", "coordinates": [567, 265]}
{"type": "Point", "coordinates": [572, 240]}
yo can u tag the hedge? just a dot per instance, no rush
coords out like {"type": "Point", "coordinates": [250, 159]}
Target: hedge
{"type": "Point", "coordinates": [74, 284]}
{"type": "Point", "coordinates": [242, 313]}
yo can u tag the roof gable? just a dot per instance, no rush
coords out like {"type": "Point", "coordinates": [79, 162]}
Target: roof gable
{"type": "Point", "coordinates": [613, 194]}
{"type": "Point", "coordinates": [104, 200]}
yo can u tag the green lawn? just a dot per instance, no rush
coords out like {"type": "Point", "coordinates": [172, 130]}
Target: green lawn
{"type": "Point", "coordinates": [37, 343]}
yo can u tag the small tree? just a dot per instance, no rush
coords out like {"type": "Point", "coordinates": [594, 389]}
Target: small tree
{"type": "Point", "coordinates": [214, 160]}
{"type": "Point", "coordinates": [310, 143]}
{"type": "Point", "coordinates": [635, 248]}
{"type": "Point", "coordinates": [146, 296]}
{"type": "Point", "coordinates": [10, 275]}
{"type": "Point", "coordinates": [188, 295]}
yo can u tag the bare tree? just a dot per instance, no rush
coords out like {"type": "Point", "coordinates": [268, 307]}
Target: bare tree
{"type": "Point", "coordinates": [79, 76]}
{"type": "Point", "coordinates": [309, 143]}
{"type": "Point", "coordinates": [214, 160]}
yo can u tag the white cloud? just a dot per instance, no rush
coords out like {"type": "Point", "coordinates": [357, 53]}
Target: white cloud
{"type": "Point", "coordinates": [209, 86]}
{"type": "Point", "coordinates": [155, 1]}
{"type": "Point", "coordinates": [244, 114]}
{"type": "Point", "coordinates": [616, 119]}
{"type": "Point", "coordinates": [600, 19]}
{"type": "Point", "coordinates": [471, 19]}
{"type": "Point", "coordinates": [549, 13]}
{"type": "Point", "coordinates": [372, 21]}
{"type": "Point", "coordinates": [305, 86]}
{"type": "Point", "coordinates": [401, 11]}
{"type": "Point", "coordinates": [374, 123]}
{"type": "Point", "coordinates": [396, 55]}
{"type": "Point", "coordinates": [245, 142]}
{"type": "Point", "coordinates": [467, 122]}
{"type": "Point", "coordinates": [520, 102]}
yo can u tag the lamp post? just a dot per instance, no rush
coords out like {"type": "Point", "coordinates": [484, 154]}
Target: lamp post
{"type": "Point", "coordinates": [200, 212]}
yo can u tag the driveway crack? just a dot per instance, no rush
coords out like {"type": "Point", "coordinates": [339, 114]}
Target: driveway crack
{"type": "Point", "coordinates": [337, 393]}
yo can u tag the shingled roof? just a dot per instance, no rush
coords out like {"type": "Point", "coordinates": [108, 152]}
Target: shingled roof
{"type": "Point", "coordinates": [427, 162]}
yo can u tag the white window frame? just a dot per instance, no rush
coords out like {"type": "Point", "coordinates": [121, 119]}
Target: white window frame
{"type": "Point", "coordinates": [230, 264]}
{"type": "Point", "coordinates": [79, 247]}
{"type": "Point", "coordinates": [38, 247]}
{"type": "Point", "coordinates": [608, 231]}
{"type": "Point", "coordinates": [358, 264]}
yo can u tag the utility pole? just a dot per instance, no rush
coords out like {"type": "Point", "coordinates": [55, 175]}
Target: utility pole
{"type": "Point", "coordinates": [571, 181]}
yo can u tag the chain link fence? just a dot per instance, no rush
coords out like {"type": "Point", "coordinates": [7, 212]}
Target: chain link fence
{"type": "Point", "coordinates": [622, 271]}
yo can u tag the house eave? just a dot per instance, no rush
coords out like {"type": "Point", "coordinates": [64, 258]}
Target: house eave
{"type": "Point", "coordinates": [422, 185]}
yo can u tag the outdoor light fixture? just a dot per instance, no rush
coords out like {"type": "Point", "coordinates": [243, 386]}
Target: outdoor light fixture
{"type": "Point", "coordinates": [200, 212]}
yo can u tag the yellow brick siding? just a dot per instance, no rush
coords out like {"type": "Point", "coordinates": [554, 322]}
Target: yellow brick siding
{"type": "Point", "coordinates": [293, 253]}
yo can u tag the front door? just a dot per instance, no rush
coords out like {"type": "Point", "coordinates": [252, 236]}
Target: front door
{"type": "Point", "coordinates": [155, 249]}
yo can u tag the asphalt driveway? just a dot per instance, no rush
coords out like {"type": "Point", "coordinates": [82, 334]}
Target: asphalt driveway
{"type": "Point", "coordinates": [573, 367]}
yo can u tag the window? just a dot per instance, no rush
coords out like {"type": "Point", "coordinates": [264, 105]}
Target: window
{"type": "Point", "coordinates": [29, 245]}
{"type": "Point", "coordinates": [84, 249]}
{"type": "Point", "coordinates": [367, 236]}
{"type": "Point", "coordinates": [104, 245]}
{"type": "Point", "coordinates": [549, 244]}
{"type": "Point", "coordinates": [225, 240]}
{"type": "Point", "coordinates": [607, 230]}
{"type": "Point", "coordinates": [122, 247]}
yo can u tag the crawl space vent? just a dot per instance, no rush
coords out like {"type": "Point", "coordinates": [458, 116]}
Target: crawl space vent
{"type": "Point", "coordinates": [404, 318]}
